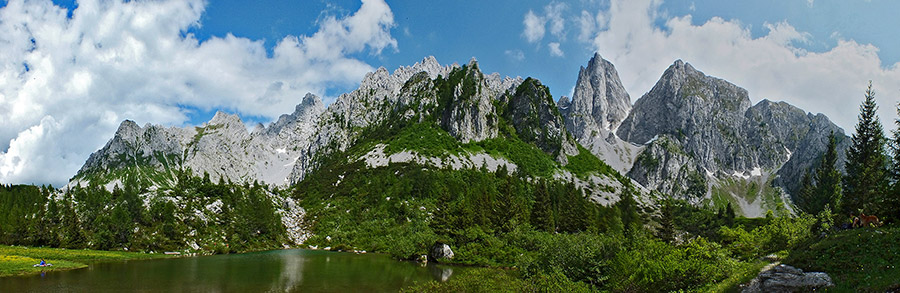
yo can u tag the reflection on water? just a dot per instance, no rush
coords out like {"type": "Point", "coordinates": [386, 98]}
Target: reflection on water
{"type": "Point", "coordinates": [280, 271]}
{"type": "Point", "coordinates": [440, 273]}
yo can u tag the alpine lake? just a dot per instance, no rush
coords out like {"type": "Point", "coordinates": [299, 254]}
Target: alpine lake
{"type": "Point", "coordinates": [293, 270]}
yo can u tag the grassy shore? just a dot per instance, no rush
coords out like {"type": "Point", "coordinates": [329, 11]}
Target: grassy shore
{"type": "Point", "coordinates": [19, 260]}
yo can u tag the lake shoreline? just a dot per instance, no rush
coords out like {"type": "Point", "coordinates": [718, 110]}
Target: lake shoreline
{"type": "Point", "coordinates": [273, 270]}
{"type": "Point", "coordinates": [20, 260]}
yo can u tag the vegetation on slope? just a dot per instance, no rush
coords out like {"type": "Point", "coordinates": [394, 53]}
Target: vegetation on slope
{"type": "Point", "coordinates": [219, 217]}
{"type": "Point", "coordinates": [857, 260]}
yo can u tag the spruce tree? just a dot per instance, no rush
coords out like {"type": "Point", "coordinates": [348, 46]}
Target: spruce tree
{"type": "Point", "coordinates": [866, 179]}
{"type": "Point", "coordinates": [828, 178]}
{"type": "Point", "coordinates": [666, 230]}
{"type": "Point", "coordinates": [631, 220]}
{"type": "Point", "coordinates": [894, 196]}
{"type": "Point", "coordinates": [806, 199]}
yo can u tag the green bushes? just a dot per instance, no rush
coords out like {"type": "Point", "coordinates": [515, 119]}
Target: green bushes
{"type": "Point", "coordinates": [585, 163]}
{"type": "Point", "coordinates": [578, 257]}
{"type": "Point", "coordinates": [779, 234]}
{"type": "Point", "coordinates": [426, 139]}
{"type": "Point", "coordinates": [529, 159]}
{"type": "Point", "coordinates": [649, 265]}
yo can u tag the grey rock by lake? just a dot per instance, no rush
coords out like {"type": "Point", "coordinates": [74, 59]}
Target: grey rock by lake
{"type": "Point", "coordinates": [441, 251]}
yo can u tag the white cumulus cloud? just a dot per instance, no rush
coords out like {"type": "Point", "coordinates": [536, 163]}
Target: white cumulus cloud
{"type": "Point", "coordinates": [535, 27]}
{"type": "Point", "coordinates": [66, 83]}
{"type": "Point", "coordinates": [555, 50]}
{"type": "Point", "coordinates": [769, 67]}
{"type": "Point", "coordinates": [516, 54]}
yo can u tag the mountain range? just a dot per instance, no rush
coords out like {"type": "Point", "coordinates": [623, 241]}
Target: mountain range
{"type": "Point", "coordinates": [692, 136]}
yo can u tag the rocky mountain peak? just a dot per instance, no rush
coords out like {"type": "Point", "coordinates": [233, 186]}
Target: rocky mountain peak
{"type": "Point", "coordinates": [598, 107]}
{"type": "Point", "coordinates": [537, 120]}
{"type": "Point", "coordinates": [226, 120]}
{"type": "Point", "coordinates": [309, 101]}
{"type": "Point", "coordinates": [683, 100]}
{"type": "Point", "coordinates": [600, 96]}
{"type": "Point", "coordinates": [308, 110]}
{"type": "Point", "coordinates": [128, 128]}
{"type": "Point", "coordinates": [468, 117]}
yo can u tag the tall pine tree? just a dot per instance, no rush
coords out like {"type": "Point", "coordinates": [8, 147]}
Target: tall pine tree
{"type": "Point", "coordinates": [828, 178]}
{"type": "Point", "coordinates": [894, 196]}
{"type": "Point", "coordinates": [866, 181]}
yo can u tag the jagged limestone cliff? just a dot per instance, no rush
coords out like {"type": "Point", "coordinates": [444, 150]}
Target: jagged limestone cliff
{"type": "Point", "coordinates": [692, 136]}
{"type": "Point", "coordinates": [706, 143]}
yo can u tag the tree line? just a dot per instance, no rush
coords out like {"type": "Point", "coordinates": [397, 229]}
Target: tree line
{"type": "Point", "coordinates": [196, 212]}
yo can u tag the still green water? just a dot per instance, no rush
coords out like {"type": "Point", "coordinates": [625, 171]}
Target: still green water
{"type": "Point", "coordinates": [293, 270]}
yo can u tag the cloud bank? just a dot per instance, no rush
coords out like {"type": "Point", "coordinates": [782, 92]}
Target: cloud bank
{"type": "Point", "coordinates": [67, 83]}
{"type": "Point", "coordinates": [773, 66]}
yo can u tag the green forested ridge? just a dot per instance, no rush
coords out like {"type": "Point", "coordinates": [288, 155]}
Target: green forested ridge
{"type": "Point", "coordinates": [133, 218]}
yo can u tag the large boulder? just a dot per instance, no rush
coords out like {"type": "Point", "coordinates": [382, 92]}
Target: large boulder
{"type": "Point", "coordinates": [785, 278]}
{"type": "Point", "coordinates": [441, 251]}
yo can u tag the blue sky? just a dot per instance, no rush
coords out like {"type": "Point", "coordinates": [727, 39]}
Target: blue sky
{"type": "Point", "coordinates": [71, 72]}
{"type": "Point", "coordinates": [454, 31]}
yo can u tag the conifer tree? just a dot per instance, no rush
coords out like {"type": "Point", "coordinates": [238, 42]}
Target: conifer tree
{"type": "Point", "coordinates": [628, 210]}
{"type": "Point", "coordinates": [806, 199]}
{"type": "Point", "coordinates": [894, 195]}
{"type": "Point", "coordinates": [828, 178]}
{"type": "Point", "coordinates": [866, 180]}
{"type": "Point", "coordinates": [729, 214]}
{"type": "Point", "coordinates": [667, 222]}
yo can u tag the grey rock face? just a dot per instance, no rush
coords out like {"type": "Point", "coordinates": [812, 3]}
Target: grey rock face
{"type": "Point", "coordinates": [598, 106]}
{"type": "Point", "coordinates": [468, 118]}
{"type": "Point", "coordinates": [714, 131]}
{"type": "Point", "coordinates": [441, 251]}
{"type": "Point", "coordinates": [223, 147]}
{"type": "Point", "coordinates": [663, 166]}
{"type": "Point", "coordinates": [784, 278]}
{"type": "Point", "coordinates": [134, 145]}
{"type": "Point", "coordinates": [809, 151]}
{"type": "Point", "coordinates": [703, 113]}
{"type": "Point", "coordinates": [600, 101]}
{"type": "Point", "coordinates": [537, 120]}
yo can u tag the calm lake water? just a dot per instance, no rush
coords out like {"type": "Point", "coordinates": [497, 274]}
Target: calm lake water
{"type": "Point", "coordinates": [271, 271]}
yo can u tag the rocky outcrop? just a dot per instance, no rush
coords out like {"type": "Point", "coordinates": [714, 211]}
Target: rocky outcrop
{"type": "Point", "coordinates": [784, 278]}
{"type": "Point", "coordinates": [222, 148]}
{"type": "Point", "coordinates": [710, 129]}
{"type": "Point", "coordinates": [598, 106]}
{"type": "Point", "coordinates": [459, 99]}
{"type": "Point", "coordinates": [467, 117]}
{"type": "Point", "coordinates": [537, 120]}
{"type": "Point", "coordinates": [441, 251]}
{"type": "Point", "coordinates": [599, 101]}
{"type": "Point", "coordinates": [340, 125]}
{"type": "Point", "coordinates": [665, 167]}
